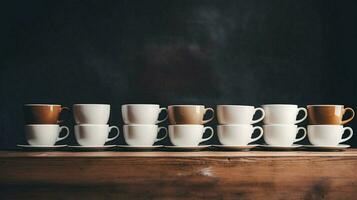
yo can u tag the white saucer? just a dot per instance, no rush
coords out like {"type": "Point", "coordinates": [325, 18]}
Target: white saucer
{"type": "Point", "coordinates": [92, 148]}
{"type": "Point", "coordinates": [236, 147]}
{"type": "Point", "coordinates": [41, 147]}
{"type": "Point", "coordinates": [280, 147]}
{"type": "Point", "coordinates": [319, 147]}
{"type": "Point", "coordinates": [141, 148]}
{"type": "Point", "coordinates": [187, 148]}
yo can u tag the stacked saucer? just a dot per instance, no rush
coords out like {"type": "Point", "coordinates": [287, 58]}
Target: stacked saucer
{"type": "Point", "coordinates": [236, 130]}
{"type": "Point", "coordinates": [186, 127]}
{"type": "Point", "coordinates": [326, 129]}
{"type": "Point", "coordinates": [92, 129]}
{"type": "Point", "coordinates": [280, 129]}
{"type": "Point", "coordinates": [42, 129]}
{"type": "Point", "coordinates": [141, 129]}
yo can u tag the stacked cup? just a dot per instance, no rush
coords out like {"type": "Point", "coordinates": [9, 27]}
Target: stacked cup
{"type": "Point", "coordinates": [236, 129]}
{"type": "Point", "coordinates": [326, 125]}
{"type": "Point", "coordinates": [92, 129]}
{"type": "Point", "coordinates": [280, 129]}
{"type": "Point", "coordinates": [186, 125]}
{"type": "Point", "coordinates": [141, 129]}
{"type": "Point", "coordinates": [42, 124]}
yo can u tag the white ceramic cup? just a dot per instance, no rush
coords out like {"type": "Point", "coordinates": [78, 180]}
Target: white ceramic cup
{"type": "Point", "coordinates": [142, 134]}
{"type": "Point", "coordinates": [328, 135]}
{"type": "Point", "coordinates": [238, 134]}
{"type": "Point", "coordinates": [188, 135]}
{"type": "Point", "coordinates": [91, 113]}
{"type": "Point", "coordinates": [237, 114]}
{"type": "Point", "coordinates": [142, 113]}
{"type": "Point", "coordinates": [283, 114]}
{"type": "Point", "coordinates": [94, 134]}
{"type": "Point", "coordinates": [44, 134]}
{"type": "Point", "coordinates": [282, 134]}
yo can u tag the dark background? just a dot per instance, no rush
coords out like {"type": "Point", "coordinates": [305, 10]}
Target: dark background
{"type": "Point", "coordinates": [174, 52]}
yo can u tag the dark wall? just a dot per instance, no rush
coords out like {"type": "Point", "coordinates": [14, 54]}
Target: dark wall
{"type": "Point", "coordinates": [174, 52]}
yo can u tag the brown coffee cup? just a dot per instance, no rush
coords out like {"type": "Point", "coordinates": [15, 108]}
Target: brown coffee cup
{"type": "Point", "coordinates": [328, 114]}
{"type": "Point", "coordinates": [188, 114]}
{"type": "Point", "coordinates": [43, 113]}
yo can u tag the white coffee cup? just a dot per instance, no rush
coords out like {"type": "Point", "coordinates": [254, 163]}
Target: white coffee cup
{"type": "Point", "coordinates": [327, 135]}
{"type": "Point", "coordinates": [91, 113]}
{"type": "Point", "coordinates": [237, 134]}
{"type": "Point", "coordinates": [44, 134]}
{"type": "Point", "coordinates": [283, 114]}
{"type": "Point", "coordinates": [238, 114]}
{"type": "Point", "coordinates": [282, 134]}
{"type": "Point", "coordinates": [142, 134]}
{"type": "Point", "coordinates": [142, 113]}
{"type": "Point", "coordinates": [188, 134]}
{"type": "Point", "coordinates": [94, 134]}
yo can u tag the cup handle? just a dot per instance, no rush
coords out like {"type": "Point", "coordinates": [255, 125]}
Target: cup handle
{"type": "Point", "coordinates": [349, 136]}
{"type": "Point", "coordinates": [165, 118]}
{"type": "Point", "coordinates": [260, 134]}
{"type": "Point", "coordinates": [210, 119]}
{"type": "Point", "coordinates": [349, 119]}
{"type": "Point", "coordinates": [159, 139]}
{"type": "Point", "coordinates": [261, 118]}
{"type": "Point", "coordinates": [64, 137]}
{"type": "Point", "coordinates": [305, 116]}
{"type": "Point", "coordinates": [62, 109]}
{"type": "Point", "coordinates": [117, 135]}
{"type": "Point", "coordinates": [300, 138]}
{"type": "Point", "coordinates": [209, 137]}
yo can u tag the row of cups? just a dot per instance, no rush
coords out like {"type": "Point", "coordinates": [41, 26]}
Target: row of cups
{"type": "Point", "coordinates": [188, 135]}
{"type": "Point", "coordinates": [190, 114]}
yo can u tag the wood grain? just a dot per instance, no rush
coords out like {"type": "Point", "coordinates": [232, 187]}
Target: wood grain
{"type": "Point", "coordinates": [178, 175]}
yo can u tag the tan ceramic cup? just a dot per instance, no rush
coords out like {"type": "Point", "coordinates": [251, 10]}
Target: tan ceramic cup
{"type": "Point", "coordinates": [328, 114]}
{"type": "Point", "coordinates": [188, 114]}
{"type": "Point", "coordinates": [43, 113]}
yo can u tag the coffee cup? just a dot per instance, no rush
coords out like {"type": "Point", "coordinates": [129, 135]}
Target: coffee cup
{"type": "Point", "coordinates": [282, 134]}
{"type": "Point", "coordinates": [188, 134]}
{"type": "Point", "coordinates": [43, 113]}
{"type": "Point", "coordinates": [91, 113]}
{"type": "Point", "coordinates": [328, 114]}
{"type": "Point", "coordinates": [44, 134]}
{"type": "Point", "coordinates": [238, 114]}
{"type": "Point", "coordinates": [188, 114]}
{"type": "Point", "coordinates": [142, 134]}
{"type": "Point", "coordinates": [328, 135]}
{"type": "Point", "coordinates": [142, 113]}
{"type": "Point", "coordinates": [237, 134]}
{"type": "Point", "coordinates": [283, 114]}
{"type": "Point", "coordinates": [94, 134]}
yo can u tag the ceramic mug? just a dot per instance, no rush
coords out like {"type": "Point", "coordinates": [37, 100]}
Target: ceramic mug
{"type": "Point", "coordinates": [188, 135]}
{"type": "Point", "coordinates": [143, 134]}
{"type": "Point", "coordinates": [94, 134]}
{"type": "Point", "coordinates": [283, 114]}
{"type": "Point", "coordinates": [43, 113]}
{"type": "Point", "coordinates": [237, 134]}
{"type": "Point", "coordinates": [282, 134]}
{"type": "Point", "coordinates": [328, 135]}
{"type": "Point", "coordinates": [142, 113]}
{"type": "Point", "coordinates": [44, 134]}
{"type": "Point", "coordinates": [91, 113]}
{"type": "Point", "coordinates": [329, 114]}
{"type": "Point", "coordinates": [238, 114]}
{"type": "Point", "coordinates": [188, 114]}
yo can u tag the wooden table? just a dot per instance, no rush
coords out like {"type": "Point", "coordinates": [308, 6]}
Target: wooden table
{"type": "Point", "coordinates": [181, 175]}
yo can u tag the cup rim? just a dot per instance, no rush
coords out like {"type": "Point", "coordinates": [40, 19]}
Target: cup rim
{"type": "Point", "coordinates": [172, 125]}
{"type": "Point", "coordinates": [42, 125]}
{"type": "Point", "coordinates": [91, 125]}
{"type": "Point", "coordinates": [90, 104]}
{"type": "Point", "coordinates": [287, 105]}
{"type": "Point", "coordinates": [126, 125]}
{"type": "Point", "coordinates": [139, 104]}
{"type": "Point", "coordinates": [184, 105]}
{"type": "Point", "coordinates": [266, 125]}
{"type": "Point", "coordinates": [221, 125]}
{"type": "Point", "coordinates": [41, 104]}
{"type": "Point", "coordinates": [321, 105]}
{"type": "Point", "coordinates": [235, 105]}
{"type": "Point", "coordinates": [325, 125]}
